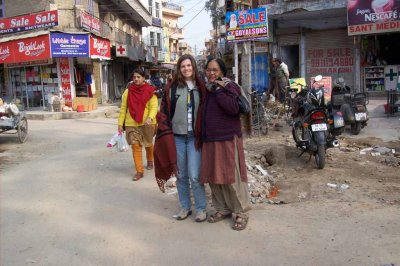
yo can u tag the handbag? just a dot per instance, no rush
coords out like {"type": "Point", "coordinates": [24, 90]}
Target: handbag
{"type": "Point", "coordinates": [244, 105]}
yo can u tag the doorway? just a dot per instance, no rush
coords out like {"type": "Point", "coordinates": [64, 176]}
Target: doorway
{"type": "Point", "coordinates": [290, 55]}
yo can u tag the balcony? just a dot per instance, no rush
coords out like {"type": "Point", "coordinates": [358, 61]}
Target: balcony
{"type": "Point", "coordinates": [175, 33]}
{"type": "Point", "coordinates": [171, 9]}
{"type": "Point", "coordinates": [183, 45]}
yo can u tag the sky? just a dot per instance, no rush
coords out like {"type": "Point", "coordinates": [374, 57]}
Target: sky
{"type": "Point", "coordinates": [197, 30]}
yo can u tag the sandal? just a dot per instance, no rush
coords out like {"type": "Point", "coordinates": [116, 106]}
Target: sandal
{"type": "Point", "coordinates": [216, 217]}
{"type": "Point", "coordinates": [240, 223]}
{"type": "Point", "coordinates": [137, 177]}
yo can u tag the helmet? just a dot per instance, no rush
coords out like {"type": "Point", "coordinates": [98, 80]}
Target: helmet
{"type": "Point", "coordinates": [315, 96]}
{"type": "Point", "coordinates": [339, 82]}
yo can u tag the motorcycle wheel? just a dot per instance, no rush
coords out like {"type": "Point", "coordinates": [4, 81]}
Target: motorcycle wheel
{"type": "Point", "coordinates": [355, 128]}
{"type": "Point", "coordinates": [320, 157]}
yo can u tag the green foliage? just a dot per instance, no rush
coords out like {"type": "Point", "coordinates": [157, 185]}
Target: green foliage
{"type": "Point", "coordinates": [215, 13]}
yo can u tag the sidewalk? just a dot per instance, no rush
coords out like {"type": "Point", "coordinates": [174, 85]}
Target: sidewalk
{"type": "Point", "coordinates": [103, 110]}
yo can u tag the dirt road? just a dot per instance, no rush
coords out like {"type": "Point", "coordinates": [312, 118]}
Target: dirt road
{"type": "Point", "coordinates": [68, 200]}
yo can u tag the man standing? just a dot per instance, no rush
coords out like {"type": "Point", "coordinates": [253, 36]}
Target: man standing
{"type": "Point", "coordinates": [282, 77]}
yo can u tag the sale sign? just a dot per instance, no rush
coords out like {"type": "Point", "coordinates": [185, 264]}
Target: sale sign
{"type": "Point", "coordinates": [29, 22]}
{"type": "Point", "coordinates": [246, 25]}
{"type": "Point", "coordinates": [66, 81]}
{"type": "Point", "coordinates": [100, 48]}
{"type": "Point", "coordinates": [90, 23]}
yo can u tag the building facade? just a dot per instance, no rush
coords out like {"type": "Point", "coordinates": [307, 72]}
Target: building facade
{"type": "Point", "coordinates": [69, 48]}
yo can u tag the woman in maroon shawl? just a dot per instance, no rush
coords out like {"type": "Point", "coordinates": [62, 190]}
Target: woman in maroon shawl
{"type": "Point", "coordinates": [138, 113]}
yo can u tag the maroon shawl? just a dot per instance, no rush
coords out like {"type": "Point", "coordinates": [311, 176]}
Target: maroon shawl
{"type": "Point", "coordinates": [138, 96]}
{"type": "Point", "coordinates": [165, 161]}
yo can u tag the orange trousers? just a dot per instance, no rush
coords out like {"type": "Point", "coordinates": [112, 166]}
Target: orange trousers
{"type": "Point", "coordinates": [137, 156]}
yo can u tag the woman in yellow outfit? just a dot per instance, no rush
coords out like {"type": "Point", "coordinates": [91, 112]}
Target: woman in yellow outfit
{"type": "Point", "coordinates": [138, 111]}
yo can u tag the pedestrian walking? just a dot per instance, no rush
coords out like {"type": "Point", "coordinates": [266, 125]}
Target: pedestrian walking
{"type": "Point", "coordinates": [282, 77]}
{"type": "Point", "coordinates": [177, 146]}
{"type": "Point", "coordinates": [138, 115]}
{"type": "Point", "coordinates": [223, 162]}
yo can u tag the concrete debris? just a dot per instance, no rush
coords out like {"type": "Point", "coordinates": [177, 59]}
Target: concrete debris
{"type": "Point", "coordinates": [263, 172]}
{"type": "Point", "coordinates": [377, 151]}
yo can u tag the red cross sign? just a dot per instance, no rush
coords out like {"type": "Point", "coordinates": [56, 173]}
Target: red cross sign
{"type": "Point", "coordinates": [121, 50]}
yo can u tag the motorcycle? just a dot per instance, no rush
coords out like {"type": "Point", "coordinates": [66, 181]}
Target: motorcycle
{"type": "Point", "coordinates": [353, 106]}
{"type": "Point", "coordinates": [314, 129]}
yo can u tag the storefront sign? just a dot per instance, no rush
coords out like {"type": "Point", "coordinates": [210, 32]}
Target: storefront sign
{"type": "Point", "coordinates": [121, 50]}
{"type": "Point", "coordinates": [29, 22]}
{"type": "Point", "coordinates": [373, 16]}
{"type": "Point", "coordinates": [90, 23]}
{"type": "Point", "coordinates": [100, 48]}
{"type": "Point", "coordinates": [23, 50]}
{"type": "Point", "coordinates": [328, 61]}
{"type": "Point", "coordinates": [5, 52]}
{"type": "Point", "coordinates": [66, 80]}
{"type": "Point", "coordinates": [246, 25]}
{"type": "Point", "coordinates": [69, 45]}
{"type": "Point", "coordinates": [156, 22]}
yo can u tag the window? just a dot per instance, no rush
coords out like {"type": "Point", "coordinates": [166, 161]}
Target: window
{"type": "Point", "coordinates": [78, 2]}
{"type": "Point", "coordinates": [152, 39]}
{"type": "Point", "coordinates": [157, 10]}
{"type": "Point", "coordinates": [2, 7]}
{"type": "Point", "coordinates": [90, 7]}
{"type": "Point", "coordinates": [151, 7]}
{"type": "Point", "coordinates": [159, 40]}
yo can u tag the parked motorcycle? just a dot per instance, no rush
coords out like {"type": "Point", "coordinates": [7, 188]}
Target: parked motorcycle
{"type": "Point", "coordinates": [313, 128]}
{"type": "Point", "coordinates": [353, 106]}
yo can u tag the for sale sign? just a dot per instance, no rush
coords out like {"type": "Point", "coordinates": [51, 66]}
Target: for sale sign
{"type": "Point", "coordinates": [29, 22]}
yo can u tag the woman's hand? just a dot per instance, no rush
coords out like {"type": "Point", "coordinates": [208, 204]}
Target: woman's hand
{"type": "Point", "coordinates": [220, 83]}
{"type": "Point", "coordinates": [120, 129]}
{"type": "Point", "coordinates": [148, 121]}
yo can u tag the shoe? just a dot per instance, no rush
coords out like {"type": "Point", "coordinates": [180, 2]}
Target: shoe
{"type": "Point", "coordinates": [201, 216]}
{"type": "Point", "coordinates": [182, 214]}
{"type": "Point", "coordinates": [149, 165]}
{"type": "Point", "coordinates": [137, 177]}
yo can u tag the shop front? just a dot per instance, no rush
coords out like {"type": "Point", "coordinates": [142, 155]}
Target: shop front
{"type": "Point", "coordinates": [61, 64]}
{"type": "Point", "coordinates": [376, 26]}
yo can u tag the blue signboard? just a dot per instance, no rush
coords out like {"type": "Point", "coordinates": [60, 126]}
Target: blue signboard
{"type": "Point", "coordinates": [69, 45]}
{"type": "Point", "coordinates": [243, 25]}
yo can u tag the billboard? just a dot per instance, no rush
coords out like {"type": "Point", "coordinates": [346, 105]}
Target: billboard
{"type": "Point", "coordinates": [372, 16]}
{"type": "Point", "coordinates": [244, 25]}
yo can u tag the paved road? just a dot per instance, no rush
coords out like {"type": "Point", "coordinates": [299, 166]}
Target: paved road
{"type": "Point", "coordinates": [68, 200]}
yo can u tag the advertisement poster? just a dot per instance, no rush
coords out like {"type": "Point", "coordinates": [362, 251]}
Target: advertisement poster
{"type": "Point", "coordinates": [373, 16]}
{"type": "Point", "coordinates": [29, 22]}
{"type": "Point", "coordinates": [326, 82]}
{"type": "Point", "coordinates": [100, 48]}
{"type": "Point", "coordinates": [66, 81]}
{"type": "Point", "coordinates": [243, 25]}
{"type": "Point", "coordinates": [69, 45]}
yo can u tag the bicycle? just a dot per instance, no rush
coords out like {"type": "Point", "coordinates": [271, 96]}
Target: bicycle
{"type": "Point", "coordinates": [258, 113]}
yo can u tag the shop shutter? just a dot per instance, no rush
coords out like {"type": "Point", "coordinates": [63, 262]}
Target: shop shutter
{"type": "Point", "coordinates": [288, 39]}
{"type": "Point", "coordinates": [330, 53]}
